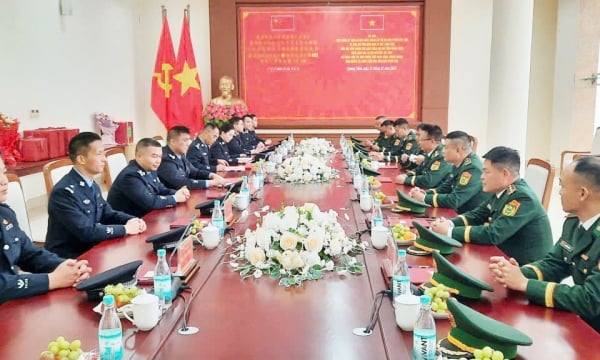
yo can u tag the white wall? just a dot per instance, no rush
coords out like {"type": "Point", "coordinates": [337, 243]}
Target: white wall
{"type": "Point", "coordinates": [470, 56]}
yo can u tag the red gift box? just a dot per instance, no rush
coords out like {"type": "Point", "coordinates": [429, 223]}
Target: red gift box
{"type": "Point", "coordinates": [56, 141]}
{"type": "Point", "coordinates": [67, 136]}
{"type": "Point", "coordinates": [34, 149]}
{"type": "Point", "coordinates": [124, 133]}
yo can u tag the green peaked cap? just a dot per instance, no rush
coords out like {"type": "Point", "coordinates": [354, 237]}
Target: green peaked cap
{"type": "Point", "coordinates": [428, 239]}
{"type": "Point", "coordinates": [359, 147]}
{"type": "Point", "coordinates": [355, 140]}
{"type": "Point", "coordinates": [453, 277]}
{"type": "Point", "coordinates": [414, 205]}
{"type": "Point", "coordinates": [368, 171]}
{"type": "Point", "coordinates": [473, 330]}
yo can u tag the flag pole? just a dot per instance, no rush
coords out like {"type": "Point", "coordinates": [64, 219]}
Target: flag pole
{"type": "Point", "coordinates": [187, 12]}
{"type": "Point", "coordinates": [164, 11]}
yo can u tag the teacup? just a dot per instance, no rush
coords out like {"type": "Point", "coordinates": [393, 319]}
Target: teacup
{"type": "Point", "coordinates": [210, 237]}
{"type": "Point", "coordinates": [145, 311]}
{"type": "Point", "coordinates": [379, 237]}
{"type": "Point", "coordinates": [357, 180]}
{"type": "Point", "coordinates": [270, 166]}
{"type": "Point", "coordinates": [374, 165]}
{"type": "Point", "coordinates": [241, 201]}
{"type": "Point", "coordinates": [366, 202]}
{"type": "Point", "coordinates": [407, 308]}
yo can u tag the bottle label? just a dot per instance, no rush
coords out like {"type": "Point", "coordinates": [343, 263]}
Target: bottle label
{"type": "Point", "coordinates": [110, 342]}
{"type": "Point", "coordinates": [162, 287]}
{"type": "Point", "coordinates": [401, 285]}
{"type": "Point", "coordinates": [424, 344]}
{"type": "Point", "coordinates": [376, 222]}
{"type": "Point", "coordinates": [218, 223]}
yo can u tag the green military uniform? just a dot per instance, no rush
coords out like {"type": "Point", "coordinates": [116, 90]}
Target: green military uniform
{"type": "Point", "coordinates": [516, 223]}
{"type": "Point", "coordinates": [385, 143]}
{"type": "Point", "coordinates": [407, 145]}
{"type": "Point", "coordinates": [577, 254]}
{"type": "Point", "coordinates": [431, 172]}
{"type": "Point", "coordinates": [461, 190]}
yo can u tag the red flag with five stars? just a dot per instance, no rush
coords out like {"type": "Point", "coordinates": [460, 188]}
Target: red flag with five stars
{"type": "Point", "coordinates": [186, 87]}
{"type": "Point", "coordinates": [162, 101]}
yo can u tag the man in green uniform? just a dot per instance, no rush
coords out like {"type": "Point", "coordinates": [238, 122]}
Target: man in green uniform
{"type": "Point", "coordinates": [461, 190]}
{"type": "Point", "coordinates": [432, 169]}
{"type": "Point", "coordinates": [512, 218]}
{"type": "Point", "coordinates": [384, 144]}
{"type": "Point", "coordinates": [378, 122]}
{"type": "Point", "coordinates": [408, 146]}
{"type": "Point", "coordinates": [577, 252]}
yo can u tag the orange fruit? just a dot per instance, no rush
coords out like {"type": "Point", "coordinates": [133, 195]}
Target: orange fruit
{"type": "Point", "coordinates": [409, 236]}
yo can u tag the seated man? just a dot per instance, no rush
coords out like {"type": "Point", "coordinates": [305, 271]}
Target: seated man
{"type": "Point", "coordinates": [512, 218]}
{"type": "Point", "coordinates": [576, 253]}
{"type": "Point", "coordinates": [237, 147]}
{"type": "Point", "coordinates": [219, 149]}
{"type": "Point", "coordinates": [176, 171]}
{"type": "Point", "coordinates": [45, 270]}
{"type": "Point", "coordinates": [384, 144]}
{"type": "Point", "coordinates": [137, 189]}
{"type": "Point", "coordinates": [378, 122]}
{"type": "Point", "coordinates": [408, 145]}
{"type": "Point", "coordinates": [78, 216]}
{"type": "Point", "coordinates": [253, 131]}
{"type": "Point", "coordinates": [198, 153]}
{"type": "Point", "coordinates": [461, 190]}
{"type": "Point", "coordinates": [432, 169]}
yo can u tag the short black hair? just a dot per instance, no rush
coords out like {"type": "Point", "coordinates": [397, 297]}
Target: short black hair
{"type": "Point", "coordinates": [209, 126]}
{"type": "Point", "coordinates": [387, 123]}
{"type": "Point", "coordinates": [588, 167]}
{"type": "Point", "coordinates": [236, 119]}
{"type": "Point", "coordinates": [504, 157]}
{"type": "Point", "coordinates": [462, 139]}
{"type": "Point", "coordinates": [176, 131]}
{"type": "Point", "coordinates": [433, 131]}
{"type": "Point", "coordinates": [400, 122]}
{"type": "Point", "coordinates": [226, 127]}
{"type": "Point", "coordinates": [146, 143]}
{"type": "Point", "coordinates": [80, 144]}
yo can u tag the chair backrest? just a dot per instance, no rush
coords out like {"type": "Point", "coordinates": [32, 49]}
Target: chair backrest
{"type": "Point", "coordinates": [160, 139]}
{"type": "Point", "coordinates": [54, 171]}
{"type": "Point", "coordinates": [539, 174]}
{"type": "Point", "coordinates": [596, 142]}
{"type": "Point", "coordinates": [115, 162]}
{"type": "Point", "coordinates": [16, 201]}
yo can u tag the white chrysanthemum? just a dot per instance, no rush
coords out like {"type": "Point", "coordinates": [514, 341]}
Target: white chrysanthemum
{"type": "Point", "coordinates": [288, 241]}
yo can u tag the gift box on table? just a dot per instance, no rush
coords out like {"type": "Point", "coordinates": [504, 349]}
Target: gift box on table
{"type": "Point", "coordinates": [56, 140]}
{"type": "Point", "coordinates": [34, 149]}
{"type": "Point", "coordinates": [124, 133]}
{"type": "Point", "coordinates": [67, 136]}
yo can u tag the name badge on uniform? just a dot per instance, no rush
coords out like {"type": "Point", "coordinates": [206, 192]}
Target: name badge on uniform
{"type": "Point", "coordinates": [9, 226]}
{"type": "Point", "coordinates": [565, 245]}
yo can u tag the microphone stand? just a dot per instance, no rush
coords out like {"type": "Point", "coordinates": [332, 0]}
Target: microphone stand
{"type": "Point", "coordinates": [374, 316]}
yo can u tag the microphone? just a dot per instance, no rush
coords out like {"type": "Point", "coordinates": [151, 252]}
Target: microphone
{"type": "Point", "coordinates": [374, 316]}
{"type": "Point", "coordinates": [184, 234]}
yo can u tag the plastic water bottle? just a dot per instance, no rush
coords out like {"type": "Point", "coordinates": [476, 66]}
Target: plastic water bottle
{"type": "Point", "coordinates": [217, 217]}
{"type": "Point", "coordinates": [401, 277]}
{"type": "Point", "coordinates": [364, 185]}
{"type": "Point", "coordinates": [162, 280]}
{"type": "Point", "coordinates": [260, 175]}
{"type": "Point", "coordinates": [424, 341]}
{"type": "Point", "coordinates": [376, 215]}
{"type": "Point", "coordinates": [110, 334]}
{"type": "Point", "coordinates": [245, 188]}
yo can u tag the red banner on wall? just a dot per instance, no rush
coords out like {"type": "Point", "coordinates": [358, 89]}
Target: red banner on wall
{"type": "Point", "coordinates": [331, 63]}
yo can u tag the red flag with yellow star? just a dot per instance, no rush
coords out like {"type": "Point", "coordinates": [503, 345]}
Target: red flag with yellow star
{"type": "Point", "coordinates": [187, 84]}
{"type": "Point", "coordinates": [162, 82]}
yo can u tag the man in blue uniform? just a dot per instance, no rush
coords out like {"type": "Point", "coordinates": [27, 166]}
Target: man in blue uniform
{"type": "Point", "coordinates": [198, 153]}
{"type": "Point", "coordinates": [44, 270]}
{"type": "Point", "coordinates": [252, 130]}
{"type": "Point", "coordinates": [78, 216]}
{"type": "Point", "coordinates": [219, 149]}
{"type": "Point", "coordinates": [576, 253]}
{"type": "Point", "coordinates": [137, 189]}
{"type": "Point", "coordinates": [176, 171]}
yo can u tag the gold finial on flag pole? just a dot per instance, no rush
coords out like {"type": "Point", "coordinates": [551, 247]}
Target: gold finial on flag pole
{"type": "Point", "coordinates": [164, 11]}
{"type": "Point", "coordinates": [187, 12]}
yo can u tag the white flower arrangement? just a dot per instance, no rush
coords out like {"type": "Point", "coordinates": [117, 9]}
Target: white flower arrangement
{"type": "Point", "coordinates": [318, 147]}
{"type": "Point", "coordinates": [305, 169]}
{"type": "Point", "coordinates": [296, 244]}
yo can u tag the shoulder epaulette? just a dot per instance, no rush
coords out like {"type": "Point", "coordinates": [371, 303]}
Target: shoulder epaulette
{"type": "Point", "coordinates": [511, 189]}
{"type": "Point", "coordinates": [468, 161]}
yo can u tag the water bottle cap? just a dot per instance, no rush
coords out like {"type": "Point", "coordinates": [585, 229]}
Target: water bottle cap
{"type": "Point", "coordinates": [161, 252]}
{"type": "Point", "coordinates": [217, 202]}
{"type": "Point", "coordinates": [377, 202]}
{"type": "Point", "coordinates": [108, 299]}
{"type": "Point", "coordinates": [402, 252]}
{"type": "Point", "coordinates": [425, 300]}
{"type": "Point", "coordinates": [245, 177]}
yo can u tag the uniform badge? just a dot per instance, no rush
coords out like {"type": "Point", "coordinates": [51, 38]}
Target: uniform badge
{"type": "Point", "coordinates": [141, 172]}
{"type": "Point", "coordinates": [435, 166]}
{"type": "Point", "coordinates": [163, 197]}
{"type": "Point", "coordinates": [409, 146]}
{"type": "Point", "coordinates": [5, 222]}
{"type": "Point", "coordinates": [468, 161]}
{"type": "Point", "coordinates": [464, 178]}
{"type": "Point", "coordinates": [70, 190]}
{"type": "Point", "coordinates": [397, 142]}
{"type": "Point", "coordinates": [110, 230]}
{"type": "Point", "coordinates": [489, 206]}
{"type": "Point", "coordinates": [86, 201]}
{"type": "Point", "coordinates": [565, 245]}
{"type": "Point", "coordinates": [9, 226]}
{"type": "Point", "coordinates": [511, 208]}
{"type": "Point", "coordinates": [511, 189]}
{"type": "Point", "coordinates": [81, 183]}
{"type": "Point", "coordinates": [172, 156]}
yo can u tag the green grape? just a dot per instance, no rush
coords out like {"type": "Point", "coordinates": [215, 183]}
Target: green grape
{"type": "Point", "coordinates": [63, 353]}
{"type": "Point", "coordinates": [75, 345]}
{"type": "Point", "coordinates": [487, 352]}
{"type": "Point", "coordinates": [478, 354]}
{"type": "Point", "coordinates": [63, 345]}
{"type": "Point", "coordinates": [497, 355]}
{"type": "Point", "coordinates": [54, 348]}
{"type": "Point", "coordinates": [435, 306]}
{"type": "Point", "coordinates": [73, 355]}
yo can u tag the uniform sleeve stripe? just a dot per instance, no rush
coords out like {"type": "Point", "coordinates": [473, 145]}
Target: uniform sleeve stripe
{"type": "Point", "coordinates": [468, 234]}
{"type": "Point", "coordinates": [434, 199]}
{"type": "Point", "coordinates": [549, 295]}
{"type": "Point", "coordinates": [412, 180]}
{"type": "Point", "coordinates": [464, 219]}
{"type": "Point", "coordinates": [536, 270]}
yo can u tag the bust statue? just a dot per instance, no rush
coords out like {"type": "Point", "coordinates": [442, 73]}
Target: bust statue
{"type": "Point", "coordinates": [226, 87]}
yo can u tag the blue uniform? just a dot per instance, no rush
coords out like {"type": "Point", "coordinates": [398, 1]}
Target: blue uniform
{"type": "Point", "coordinates": [177, 171]}
{"type": "Point", "coordinates": [219, 150]}
{"type": "Point", "coordinates": [137, 192]}
{"type": "Point", "coordinates": [198, 154]}
{"type": "Point", "coordinates": [79, 218]}
{"type": "Point", "coordinates": [19, 253]}
{"type": "Point", "coordinates": [235, 146]}
{"type": "Point", "coordinates": [254, 140]}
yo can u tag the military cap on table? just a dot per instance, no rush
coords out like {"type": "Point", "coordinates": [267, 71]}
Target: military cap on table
{"type": "Point", "coordinates": [408, 204]}
{"type": "Point", "coordinates": [94, 286]}
{"type": "Point", "coordinates": [456, 280]}
{"type": "Point", "coordinates": [472, 330]}
{"type": "Point", "coordinates": [428, 241]}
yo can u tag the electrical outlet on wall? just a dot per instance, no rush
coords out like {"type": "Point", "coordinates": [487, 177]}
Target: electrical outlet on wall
{"type": "Point", "coordinates": [34, 114]}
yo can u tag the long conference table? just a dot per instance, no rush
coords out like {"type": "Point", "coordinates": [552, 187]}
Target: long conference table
{"type": "Point", "coordinates": [258, 319]}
